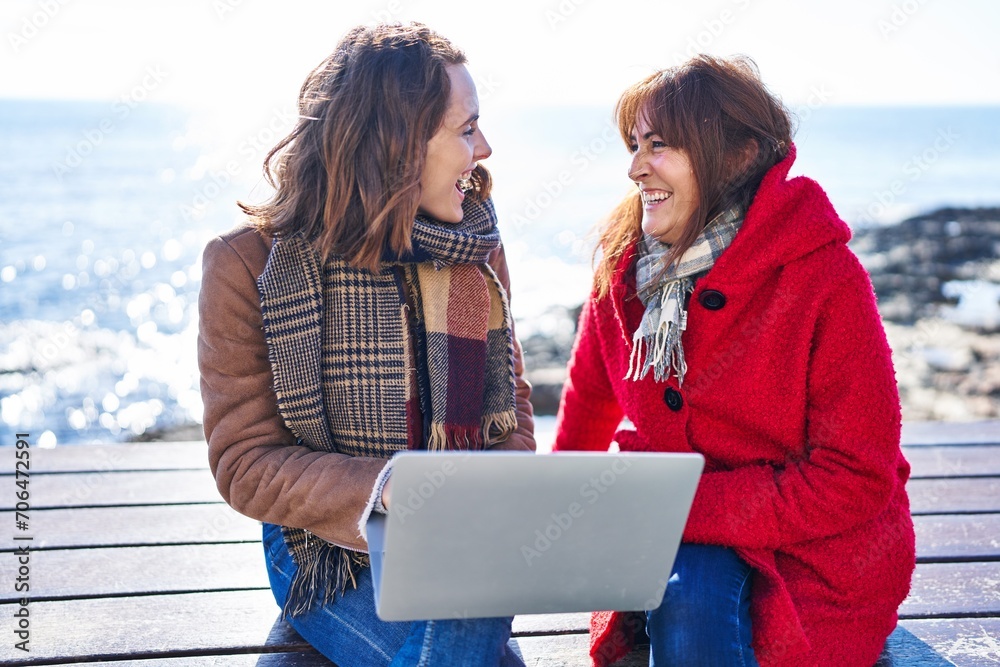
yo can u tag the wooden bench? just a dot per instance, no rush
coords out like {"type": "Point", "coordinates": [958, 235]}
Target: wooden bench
{"type": "Point", "coordinates": [135, 560]}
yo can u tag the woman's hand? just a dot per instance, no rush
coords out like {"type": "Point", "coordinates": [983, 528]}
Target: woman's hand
{"type": "Point", "coordinates": [387, 492]}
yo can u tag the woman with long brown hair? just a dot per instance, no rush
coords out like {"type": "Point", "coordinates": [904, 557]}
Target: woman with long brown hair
{"type": "Point", "coordinates": [362, 311]}
{"type": "Point", "coordinates": [728, 317]}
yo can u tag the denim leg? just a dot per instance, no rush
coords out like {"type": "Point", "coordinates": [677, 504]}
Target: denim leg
{"type": "Point", "coordinates": [458, 642]}
{"type": "Point", "coordinates": [350, 633]}
{"type": "Point", "coordinates": [705, 615]}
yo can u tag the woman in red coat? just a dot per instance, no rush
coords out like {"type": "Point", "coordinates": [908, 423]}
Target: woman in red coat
{"type": "Point", "coordinates": [728, 317]}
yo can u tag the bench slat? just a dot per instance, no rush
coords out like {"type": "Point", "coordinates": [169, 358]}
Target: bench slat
{"type": "Point", "coordinates": [97, 489]}
{"type": "Point", "coordinates": [951, 433]}
{"type": "Point", "coordinates": [971, 460]}
{"type": "Point", "coordinates": [309, 658]}
{"type": "Point", "coordinates": [938, 588]}
{"type": "Point", "coordinates": [190, 455]}
{"type": "Point", "coordinates": [244, 619]}
{"type": "Point", "coordinates": [166, 524]}
{"type": "Point", "coordinates": [966, 536]}
{"type": "Point", "coordinates": [974, 494]}
{"type": "Point", "coordinates": [967, 642]}
{"type": "Point", "coordinates": [107, 628]}
{"type": "Point", "coordinates": [140, 570]}
{"type": "Point", "coordinates": [953, 589]}
{"type": "Point", "coordinates": [105, 458]}
{"type": "Point", "coordinates": [566, 651]}
{"type": "Point", "coordinates": [947, 496]}
{"type": "Point", "coordinates": [939, 537]}
{"type": "Point", "coordinates": [247, 621]}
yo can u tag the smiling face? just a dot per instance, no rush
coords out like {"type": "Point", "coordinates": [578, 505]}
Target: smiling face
{"type": "Point", "coordinates": [666, 182]}
{"type": "Point", "coordinates": [453, 151]}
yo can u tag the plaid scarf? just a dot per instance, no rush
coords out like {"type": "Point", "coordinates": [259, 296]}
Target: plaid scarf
{"type": "Point", "coordinates": [656, 343]}
{"type": "Point", "coordinates": [345, 353]}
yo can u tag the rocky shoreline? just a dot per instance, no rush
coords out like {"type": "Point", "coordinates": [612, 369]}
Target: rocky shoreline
{"type": "Point", "coordinates": [937, 278]}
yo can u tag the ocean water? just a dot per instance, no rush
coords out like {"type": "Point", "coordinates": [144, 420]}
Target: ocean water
{"type": "Point", "coordinates": [104, 211]}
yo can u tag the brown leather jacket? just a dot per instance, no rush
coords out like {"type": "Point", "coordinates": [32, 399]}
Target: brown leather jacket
{"type": "Point", "coordinates": [259, 469]}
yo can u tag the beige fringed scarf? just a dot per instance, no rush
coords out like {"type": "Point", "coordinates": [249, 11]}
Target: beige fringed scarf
{"type": "Point", "coordinates": [656, 343]}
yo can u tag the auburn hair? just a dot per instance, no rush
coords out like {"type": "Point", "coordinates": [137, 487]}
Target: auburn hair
{"type": "Point", "coordinates": [347, 177]}
{"type": "Point", "coordinates": [732, 128]}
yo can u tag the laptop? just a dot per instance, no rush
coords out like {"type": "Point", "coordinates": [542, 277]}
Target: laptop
{"type": "Point", "coordinates": [484, 534]}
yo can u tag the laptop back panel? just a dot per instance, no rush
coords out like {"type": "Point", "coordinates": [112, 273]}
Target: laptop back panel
{"type": "Point", "coordinates": [497, 534]}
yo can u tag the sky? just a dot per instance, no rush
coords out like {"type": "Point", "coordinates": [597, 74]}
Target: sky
{"type": "Point", "coordinates": [237, 57]}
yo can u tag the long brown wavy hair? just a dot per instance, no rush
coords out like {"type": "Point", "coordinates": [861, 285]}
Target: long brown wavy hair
{"type": "Point", "coordinates": [347, 177]}
{"type": "Point", "coordinates": [732, 128]}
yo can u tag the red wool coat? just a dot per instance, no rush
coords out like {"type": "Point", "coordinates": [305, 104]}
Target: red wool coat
{"type": "Point", "coordinates": [791, 397]}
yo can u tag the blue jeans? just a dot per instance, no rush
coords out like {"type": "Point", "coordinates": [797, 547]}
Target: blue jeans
{"type": "Point", "coordinates": [704, 619]}
{"type": "Point", "coordinates": [349, 632]}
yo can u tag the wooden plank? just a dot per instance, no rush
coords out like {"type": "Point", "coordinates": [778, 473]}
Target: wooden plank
{"type": "Point", "coordinates": [903, 649]}
{"type": "Point", "coordinates": [949, 496]}
{"type": "Point", "coordinates": [967, 642]}
{"type": "Point", "coordinates": [915, 434]}
{"type": "Point", "coordinates": [551, 624]}
{"type": "Point", "coordinates": [153, 626]}
{"type": "Point", "coordinates": [568, 651]}
{"type": "Point", "coordinates": [968, 536]}
{"type": "Point", "coordinates": [197, 623]}
{"type": "Point", "coordinates": [136, 526]}
{"type": "Point", "coordinates": [952, 433]}
{"type": "Point", "coordinates": [953, 589]}
{"type": "Point", "coordinates": [938, 589]}
{"type": "Point", "coordinates": [966, 494]}
{"type": "Point", "coordinates": [192, 455]}
{"type": "Point", "coordinates": [94, 489]}
{"type": "Point", "coordinates": [229, 620]}
{"type": "Point", "coordinates": [139, 570]}
{"type": "Point", "coordinates": [938, 538]}
{"type": "Point", "coordinates": [121, 456]}
{"type": "Point", "coordinates": [953, 461]}
{"type": "Point", "coordinates": [206, 567]}
{"type": "Point", "coordinates": [307, 658]}
{"type": "Point", "coordinates": [188, 455]}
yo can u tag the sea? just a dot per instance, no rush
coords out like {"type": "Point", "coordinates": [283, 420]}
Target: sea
{"type": "Point", "coordinates": [105, 210]}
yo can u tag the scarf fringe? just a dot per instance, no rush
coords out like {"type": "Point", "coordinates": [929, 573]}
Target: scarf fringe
{"type": "Point", "coordinates": [495, 428]}
{"type": "Point", "coordinates": [501, 423]}
{"type": "Point", "coordinates": [443, 437]}
{"type": "Point", "coordinates": [657, 342]}
{"type": "Point", "coordinates": [635, 361]}
{"type": "Point", "coordinates": [639, 367]}
{"type": "Point", "coordinates": [330, 570]}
